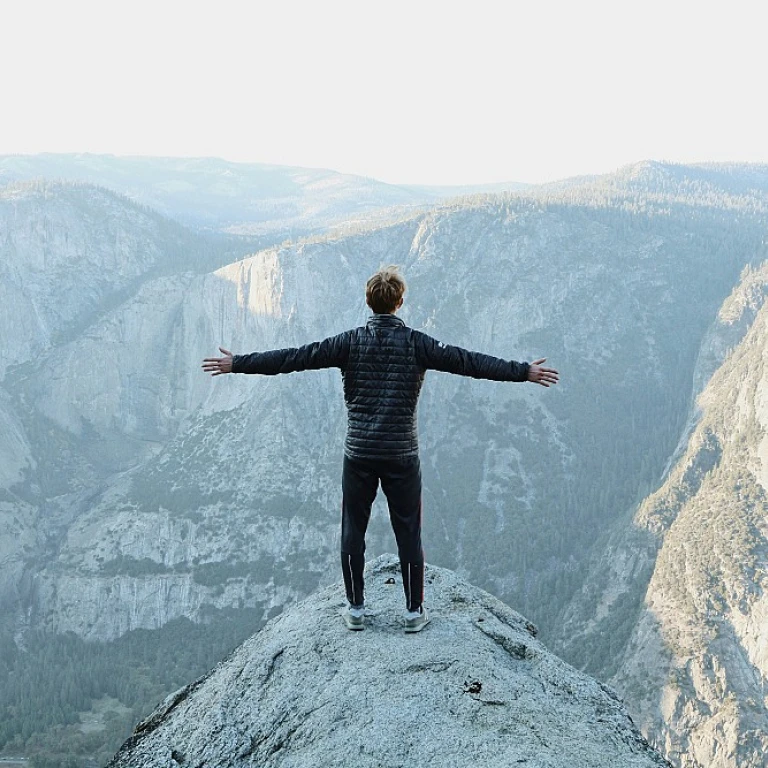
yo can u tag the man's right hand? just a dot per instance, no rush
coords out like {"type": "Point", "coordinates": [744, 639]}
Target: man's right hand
{"type": "Point", "coordinates": [540, 375]}
{"type": "Point", "coordinates": [218, 365]}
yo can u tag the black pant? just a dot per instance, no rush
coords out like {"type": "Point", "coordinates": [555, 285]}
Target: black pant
{"type": "Point", "coordinates": [401, 483]}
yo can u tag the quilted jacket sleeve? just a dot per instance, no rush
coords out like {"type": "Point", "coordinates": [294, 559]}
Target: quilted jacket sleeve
{"type": "Point", "coordinates": [434, 355]}
{"type": "Point", "coordinates": [332, 352]}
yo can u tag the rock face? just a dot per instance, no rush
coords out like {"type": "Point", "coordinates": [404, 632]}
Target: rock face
{"type": "Point", "coordinates": [474, 688]}
{"type": "Point", "coordinates": [704, 625]}
{"type": "Point", "coordinates": [687, 582]}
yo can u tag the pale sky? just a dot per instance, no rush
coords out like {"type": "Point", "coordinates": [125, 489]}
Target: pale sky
{"type": "Point", "coordinates": [451, 92]}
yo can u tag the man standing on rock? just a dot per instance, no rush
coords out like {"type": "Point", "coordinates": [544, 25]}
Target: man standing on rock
{"type": "Point", "coordinates": [382, 366]}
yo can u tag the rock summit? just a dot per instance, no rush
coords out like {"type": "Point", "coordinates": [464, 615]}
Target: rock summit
{"type": "Point", "coordinates": [475, 688]}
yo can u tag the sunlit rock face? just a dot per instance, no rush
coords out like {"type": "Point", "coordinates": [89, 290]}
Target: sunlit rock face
{"type": "Point", "coordinates": [474, 686]}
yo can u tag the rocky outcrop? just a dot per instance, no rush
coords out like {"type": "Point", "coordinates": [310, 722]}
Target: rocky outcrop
{"type": "Point", "coordinates": [474, 688]}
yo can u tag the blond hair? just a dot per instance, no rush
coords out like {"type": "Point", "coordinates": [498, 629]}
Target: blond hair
{"type": "Point", "coordinates": [385, 289]}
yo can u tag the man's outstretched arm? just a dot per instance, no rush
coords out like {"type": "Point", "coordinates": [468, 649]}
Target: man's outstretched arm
{"type": "Point", "coordinates": [434, 355]}
{"type": "Point", "coordinates": [329, 353]}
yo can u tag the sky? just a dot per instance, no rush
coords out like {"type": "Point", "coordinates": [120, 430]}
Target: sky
{"type": "Point", "coordinates": [418, 92]}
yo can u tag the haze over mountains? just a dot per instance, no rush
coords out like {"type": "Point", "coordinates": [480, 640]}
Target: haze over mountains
{"type": "Point", "coordinates": [622, 511]}
{"type": "Point", "coordinates": [269, 201]}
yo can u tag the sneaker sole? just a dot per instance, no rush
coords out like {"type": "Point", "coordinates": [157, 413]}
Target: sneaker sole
{"type": "Point", "coordinates": [354, 627]}
{"type": "Point", "coordinates": [350, 623]}
{"type": "Point", "coordinates": [418, 627]}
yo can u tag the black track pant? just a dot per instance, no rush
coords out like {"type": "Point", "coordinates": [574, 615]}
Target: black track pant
{"type": "Point", "coordinates": [401, 482]}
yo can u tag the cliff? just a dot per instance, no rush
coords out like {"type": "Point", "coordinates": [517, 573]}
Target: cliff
{"type": "Point", "coordinates": [474, 688]}
{"type": "Point", "coordinates": [686, 581]}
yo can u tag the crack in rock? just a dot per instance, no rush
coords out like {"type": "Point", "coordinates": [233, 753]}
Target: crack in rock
{"type": "Point", "coordinates": [515, 648]}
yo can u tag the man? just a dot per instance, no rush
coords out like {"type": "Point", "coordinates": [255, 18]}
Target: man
{"type": "Point", "coordinates": [382, 365]}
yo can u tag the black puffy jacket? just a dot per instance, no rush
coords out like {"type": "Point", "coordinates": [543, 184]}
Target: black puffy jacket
{"type": "Point", "coordinates": [382, 365]}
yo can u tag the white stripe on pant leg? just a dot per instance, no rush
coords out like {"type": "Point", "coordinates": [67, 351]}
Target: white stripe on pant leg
{"type": "Point", "coordinates": [352, 580]}
{"type": "Point", "coordinates": [409, 587]}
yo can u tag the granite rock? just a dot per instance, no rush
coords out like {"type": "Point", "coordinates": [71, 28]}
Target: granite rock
{"type": "Point", "coordinates": [475, 687]}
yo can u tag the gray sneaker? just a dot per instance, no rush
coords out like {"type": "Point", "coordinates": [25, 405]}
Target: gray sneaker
{"type": "Point", "coordinates": [415, 621]}
{"type": "Point", "coordinates": [354, 617]}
